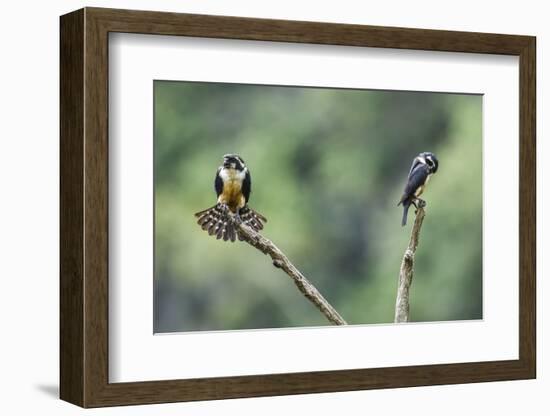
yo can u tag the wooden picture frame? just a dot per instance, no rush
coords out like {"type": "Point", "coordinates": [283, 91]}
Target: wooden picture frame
{"type": "Point", "coordinates": [84, 207]}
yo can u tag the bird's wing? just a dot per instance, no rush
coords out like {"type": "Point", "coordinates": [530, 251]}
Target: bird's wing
{"type": "Point", "coordinates": [417, 177]}
{"type": "Point", "coordinates": [415, 164]}
{"type": "Point", "coordinates": [218, 182]}
{"type": "Point", "coordinates": [247, 186]}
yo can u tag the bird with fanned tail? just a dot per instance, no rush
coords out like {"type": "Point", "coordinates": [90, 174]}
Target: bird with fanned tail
{"type": "Point", "coordinates": [233, 185]}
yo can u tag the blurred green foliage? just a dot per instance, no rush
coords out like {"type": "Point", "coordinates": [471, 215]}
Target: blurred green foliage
{"type": "Point", "coordinates": [328, 167]}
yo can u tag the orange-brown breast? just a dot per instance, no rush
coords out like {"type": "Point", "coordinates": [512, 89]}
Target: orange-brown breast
{"type": "Point", "coordinates": [232, 191]}
{"type": "Point", "coordinates": [422, 188]}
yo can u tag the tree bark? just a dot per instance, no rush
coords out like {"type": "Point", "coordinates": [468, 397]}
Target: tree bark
{"type": "Point", "coordinates": [282, 262]}
{"type": "Point", "coordinates": [407, 270]}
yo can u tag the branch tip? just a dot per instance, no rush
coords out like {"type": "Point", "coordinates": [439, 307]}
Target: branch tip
{"type": "Point", "coordinates": [280, 261]}
{"type": "Point", "coordinates": [406, 271]}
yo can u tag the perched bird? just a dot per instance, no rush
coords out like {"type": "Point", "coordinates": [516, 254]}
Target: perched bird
{"type": "Point", "coordinates": [423, 167]}
{"type": "Point", "coordinates": [233, 186]}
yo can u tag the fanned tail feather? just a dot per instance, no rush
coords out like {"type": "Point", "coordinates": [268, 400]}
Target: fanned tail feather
{"type": "Point", "coordinates": [252, 218]}
{"type": "Point", "coordinates": [217, 221]}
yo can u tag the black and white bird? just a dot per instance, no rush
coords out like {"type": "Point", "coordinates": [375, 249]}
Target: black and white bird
{"type": "Point", "coordinates": [423, 167]}
{"type": "Point", "coordinates": [233, 185]}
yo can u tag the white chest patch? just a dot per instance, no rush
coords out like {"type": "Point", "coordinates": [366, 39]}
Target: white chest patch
{"type": "Point", "coordinates": [232, 175]}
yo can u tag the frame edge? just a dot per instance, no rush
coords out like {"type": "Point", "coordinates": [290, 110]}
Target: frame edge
{"type": "Point", "coordinates": [84, 355]}
{"type": "Point", "coordinates": [528, 208]}
{"type": "Point", "coordinates": [71, 290]}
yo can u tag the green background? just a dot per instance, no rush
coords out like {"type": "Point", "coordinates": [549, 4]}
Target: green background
{"type": "Point", "coordinates": [328, 167]}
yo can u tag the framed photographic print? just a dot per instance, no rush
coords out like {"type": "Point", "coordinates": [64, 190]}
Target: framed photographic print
{"type": "Point", "coordinates": [255, 207]}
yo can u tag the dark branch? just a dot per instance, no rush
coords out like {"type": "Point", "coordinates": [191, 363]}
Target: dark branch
{"type": "Point", "coordinates": [282, 262]}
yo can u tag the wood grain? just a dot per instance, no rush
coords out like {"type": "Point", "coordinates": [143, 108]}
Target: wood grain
{"type": "Point", "coordinates": [84, 206]}
{"type": "Point", "coordinates": [71, 99]}
{"type": "Point", "coordinates": [528, 208]}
